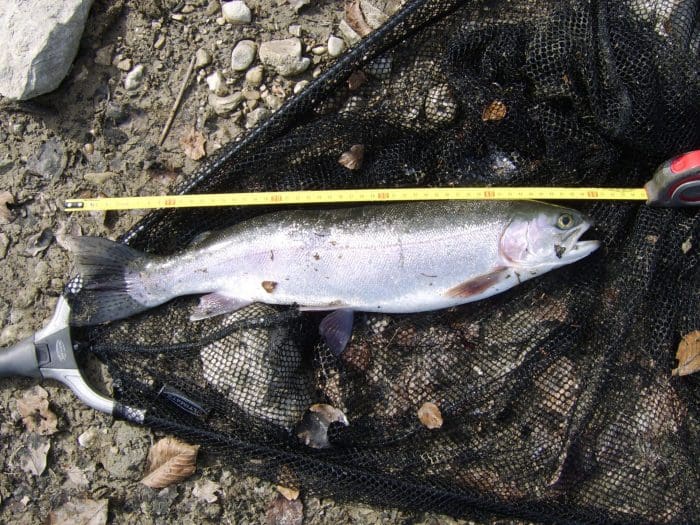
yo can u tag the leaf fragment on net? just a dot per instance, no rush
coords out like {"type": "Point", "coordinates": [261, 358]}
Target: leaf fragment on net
{"type": "Point", "coordinates": [494, 112]}
{"type": "Point", "coordinates": [80, 512]}
{"type": "Point", "coordinates": [37, 417]}
{"type": "Point", "coordinates": [170, 461]}
{"type": "Point", "coordinates": [430, 416]}
{"type": "Point", "coordinates": [688, 354]}
{"type": "Point", "coordinates": [192, 143]}
{"type": "Point", "coordinates": [353, 158]}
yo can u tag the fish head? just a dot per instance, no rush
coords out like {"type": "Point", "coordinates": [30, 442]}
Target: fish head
{"type": "Point", "coordinates": [542, 236]}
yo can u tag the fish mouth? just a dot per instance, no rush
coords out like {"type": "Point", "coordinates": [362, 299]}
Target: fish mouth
{"type": "Point", "coordinates": [573, 248]}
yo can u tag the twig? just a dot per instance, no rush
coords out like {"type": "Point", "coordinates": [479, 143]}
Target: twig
{"type": "Point", "coordinates": [176, 105]}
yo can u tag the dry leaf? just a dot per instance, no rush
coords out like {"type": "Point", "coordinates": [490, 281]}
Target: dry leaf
{"type": "Point", "coordinates": [353, 159]}
{"type": "Point", "coordinates": [356, 79]}
{"type": "Point", "coordinates": [355, 18]}
{"type": "Point", "coordinates": [285, 512]}
{"type": "Point", "coordinates": [170, 461]}
{"type": "Point", "coordinates": [76, 477]}
{"type": "Point", "coordinates": [429, 414]}
{"type": "Point", "coordinates": [32, 456]}
{"type": "Point", "coordinates": [35, 412]}
{"type": "Point", "coordinates": [287, 492]}
{"type": "Point", "coordinates": [81, 512]}
{"type": "Point", "coordinates": [5, 213]}
{"type": "Point", "coordinates": [206, 491]}
{"type": "Point", "coordinates": [495, 111]}
{"type": "Point", "coordinates": [688, 354]}
{"type": "Point", "coordinates": [192, 144]}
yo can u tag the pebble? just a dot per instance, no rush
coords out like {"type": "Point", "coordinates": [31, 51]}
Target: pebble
{"type": "Point", "coordinates": [177, 17]}
{"type": "Point", "coordinates": [103, 56]}
{"type": "Point", "coordinates": [243, 55]}
{"type": "Point", "coordinates": [254, 76]}
{"type": "Point", "coordinates": [134, 78]}
{"type": "Point", "coordinates": [189, 8]}
{"type": "Point", "coordinates": [294, 30]}
{"type": "Point", "coordinates": [316, 72]}
{"type": "Point", "coordinates": [88, 148]}
{"type": "Point", "coordinates": [212, 8]}
{"type": "Point", "coordinates": [225, 105]}
{"type": "Point", "coordinates": [256, 116]}
{"type": "Point", "coordinates": [160, 42]}
{"type": "Point", "coordinates": [319, 50]}
{"type": "Point", "coordinates": [125, 64]}
{"type": "Point", "coordinates": [99, 178]}
{"type": "Point", "coordinates": [349, 34]}
{"type": "Point", "coordinates": [220, 20]}
{"type": "Point", "coordinates": [202, 58]}
{"type": "Point", "coordinates": [216, 83]}
{"type": "Point", "coordinates": [236, 12]}
{"type": "Point", "coordinates": [284, 56]}
{"type": "Point", "coordinates": [299, 86]}
{"type": "Point", "coordinates": [4, 244]}
{"type": "Point", "coordinates": [250, 94]}
{"type": "Point", "coordinates": [336, 46]}
{"type": "Point", "coordinates": [87, 438]}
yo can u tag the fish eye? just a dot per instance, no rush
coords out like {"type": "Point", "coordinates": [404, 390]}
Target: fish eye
{"type": "Point", "coordinates": [565, 221]}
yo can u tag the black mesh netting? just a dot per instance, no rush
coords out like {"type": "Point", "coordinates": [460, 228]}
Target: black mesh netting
{"type": "Point", "coordinates": [557, 398]}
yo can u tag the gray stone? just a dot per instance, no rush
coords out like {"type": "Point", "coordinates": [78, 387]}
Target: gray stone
{"type": "Point", "coordinates": [254, 76]}
{"type": "Point", "coordinates": [216, 83]}
{"type": "Point", "coordinates": [243, 55]}
{"type": "Point", "coordinates": [374, 16]}
{"type": "Point", "coordinates": [202, 58]}
{"type": "Point", "coordinates": [336, 46]}
{"type": "Point", "coordinates": [40, 40]}
{"type": "Point", "coordinates": [256, 116]}
{"type": "Point", "coordinates": [236, 12]}
{"type": "Point", "coordinates": [284, 56]}
{"type": "Point", "coordinates": [134, 78]}
{"type": "Point", "coordinates": [50, 160]}
{"type": "Point", "coordinates": [349, 34]}
{"type": "Point", "coordinates": [225, 105]}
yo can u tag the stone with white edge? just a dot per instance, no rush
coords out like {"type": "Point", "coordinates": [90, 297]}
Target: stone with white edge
{"type": "Point", "coordinates": [236, 12]}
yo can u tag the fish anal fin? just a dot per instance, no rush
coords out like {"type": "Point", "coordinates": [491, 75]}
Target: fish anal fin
{"type": "Point", "coordinates": [214, 304]}
{"type": "Point", "coordinates": [479, 284]}
{"type": "Point", "coordinates": [336, 329]}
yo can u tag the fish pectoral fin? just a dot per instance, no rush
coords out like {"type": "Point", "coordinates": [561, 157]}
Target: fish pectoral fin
{"type": "Point", "coordinates": [214, 304]}
{"type": "Point", "coordinates": [479, 284]}
{"type": "Point", "coordinates": [336, 329]}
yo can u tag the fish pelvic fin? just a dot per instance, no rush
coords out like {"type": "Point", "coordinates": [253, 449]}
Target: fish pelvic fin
{"type": "Point", "coordinates": [214, 304]}
{"type": "Point", "coordinates": [109, 284]}
{"type": "Point", "coordinates": [479, 284]}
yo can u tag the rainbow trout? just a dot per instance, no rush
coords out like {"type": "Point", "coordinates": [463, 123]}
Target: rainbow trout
{"type": "Point", "coordinates": [392, 258]}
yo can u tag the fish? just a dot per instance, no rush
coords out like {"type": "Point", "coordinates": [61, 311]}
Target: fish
{"type": "Point", "coordinates": [393, 258]}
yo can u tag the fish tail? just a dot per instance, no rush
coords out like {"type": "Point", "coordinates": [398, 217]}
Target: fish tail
{"type": "Point", "coordinates": [110, 285]}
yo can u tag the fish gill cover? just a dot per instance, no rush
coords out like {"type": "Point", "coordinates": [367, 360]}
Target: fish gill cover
{"type": "Point", "coordinates": [553, 401]}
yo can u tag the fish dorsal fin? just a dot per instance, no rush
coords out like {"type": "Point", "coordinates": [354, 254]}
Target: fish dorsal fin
{"type": "Point", "coordinates": [479, 284]}
{"type": "Point", "coordinates": [214, 304]}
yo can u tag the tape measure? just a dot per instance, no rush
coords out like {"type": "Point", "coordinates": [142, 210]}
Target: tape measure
{"type": "Point", "coordinates": [675, 183]}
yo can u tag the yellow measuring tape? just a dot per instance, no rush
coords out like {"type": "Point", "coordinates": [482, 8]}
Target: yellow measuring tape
{"type": "Point", "coordinates": [362, 195]}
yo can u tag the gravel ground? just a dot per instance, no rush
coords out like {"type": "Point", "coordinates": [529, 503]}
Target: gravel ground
{"type": "Point", "coordinates": [95, 137]}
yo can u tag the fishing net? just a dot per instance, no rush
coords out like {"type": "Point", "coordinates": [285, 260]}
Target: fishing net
{"type": "Point", "coordinates": [556, 398]}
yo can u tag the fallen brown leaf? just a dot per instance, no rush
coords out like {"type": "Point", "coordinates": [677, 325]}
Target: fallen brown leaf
{"type": "Point", "coordinates": [170, 461]}
{"type": "Point", "coordinates": [192, 144]}
{"type": "Point", "coordinates": [285, 512]}
{"type": "Point", "coordinates": [81, 512]}
{"type": "Point", "coordinates": [287, 492]}
{"type": "Point", "coordinates": [494, 112]}
{"type": "Point", "coordinates": [688, 354]}
{"type": "Point", "coordinates": [5, 213]}
{"type": "Point", "coordinates": [32, 456]}
{"type": "Point", "coordinates": [429, 414]}
{"type": "Point", "coordinates": [353, 159]}
{"type": "Point", "coordinates": [355, 18]}
{"type": "Point", "coordinates": [33, 406]}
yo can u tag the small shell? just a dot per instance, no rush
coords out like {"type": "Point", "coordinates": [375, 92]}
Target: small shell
{"type": "Point", "coordinates": [352, 159]}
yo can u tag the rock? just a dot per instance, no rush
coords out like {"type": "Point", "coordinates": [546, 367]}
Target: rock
{"type": "Point", "coordinates": [236, 12]}
{"type": "Point", "coordinates": [160, 42]}
{"type": "Point", "coordinates": [4, 244]}
{"type": "Point", "coordinates": [202, 58]}
{"type": "Point", "coordinates": [284, 56]}
{"type": "Point", "coordinates": [50, 160]}
{"type": "Point", "coordinates": [103, 56]}
{"type": "Point", "coordinates": [225, 105]}
{"type": "Point", "coordinates": [299, 86]}
{"type": "Point", "coordinates": [40, 40]}
{"type": "Point", "coordinates": [125, 64]}
{"type": "Point", "coordinates": [294, 30]}
{"type": "Point", "coordinates": [254, 76]}
{"type": "Point", "coordinates": [349, 34]}
{"type": "Point", "coordinates": [336, 46]}
{"type": "Point", "coordinates": [373, 16]}
{"type": "Point", "coordinates": [243, 55]}
{"type": "Point", "coordinates": [99, 178]}
{"type": "Point", "coordinates": [319, 50]}
{"type": "Point", "coordinates": [134, 78]}
{"type": "Point", "coordinates": [298, 4]}
{"type": "Point", "coordinates": [256, 116]}
{"type": "Point", "coordinates": [216, 83]}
